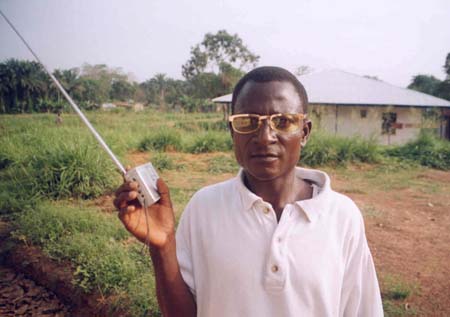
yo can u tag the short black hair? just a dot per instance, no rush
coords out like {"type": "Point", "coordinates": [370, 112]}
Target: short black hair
{"type": "Point", "coordinates": [270, 73]}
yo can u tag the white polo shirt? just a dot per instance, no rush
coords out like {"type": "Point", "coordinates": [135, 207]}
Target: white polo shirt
{"type": "Point", "coordinates": [239, 261]}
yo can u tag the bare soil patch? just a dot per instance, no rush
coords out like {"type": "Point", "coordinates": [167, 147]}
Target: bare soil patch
{"type": "Point", "coordinates": [409, 234]}
{"type": "Point", "coordinates": [32, 284]}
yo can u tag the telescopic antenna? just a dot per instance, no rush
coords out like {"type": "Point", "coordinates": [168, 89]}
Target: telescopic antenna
{"type": "Point", "coordinates": [71, 102]}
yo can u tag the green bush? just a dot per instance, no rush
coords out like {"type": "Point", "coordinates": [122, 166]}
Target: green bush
{"type": "Point", "coordinates": [426, 150]}
{"type": "Point", "coordinates": [162, 140]}
{"type": "Point", "coordinates": [323, 149]}
{"type": "Point", "coordinates": [209, 142]}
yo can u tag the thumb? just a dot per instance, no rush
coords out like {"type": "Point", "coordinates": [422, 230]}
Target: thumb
{"type": "Point", "coordinates": [163, 191]}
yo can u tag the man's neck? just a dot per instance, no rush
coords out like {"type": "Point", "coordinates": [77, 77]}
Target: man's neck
{"type": "Point", "coordinates": [280, 191]}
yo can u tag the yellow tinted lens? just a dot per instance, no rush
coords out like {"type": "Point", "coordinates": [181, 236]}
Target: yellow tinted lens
{"type": "Point", "coordinates": [245, 124]}
{"type": "Point", "coordinates": [286, 123]}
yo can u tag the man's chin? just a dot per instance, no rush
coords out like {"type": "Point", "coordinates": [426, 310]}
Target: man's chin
{"type": "Point", "coordinates": [263, 174]}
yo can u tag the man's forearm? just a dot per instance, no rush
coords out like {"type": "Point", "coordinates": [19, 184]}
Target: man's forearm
{"type": "Point", "coordinates": [174, 296]}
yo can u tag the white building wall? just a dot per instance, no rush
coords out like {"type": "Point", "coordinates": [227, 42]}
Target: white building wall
{"type": "Point", "coordinates": [347, 121]}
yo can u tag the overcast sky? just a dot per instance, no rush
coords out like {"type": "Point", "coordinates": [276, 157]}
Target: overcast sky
{"type": "Point", "coordinates": [393, 40]}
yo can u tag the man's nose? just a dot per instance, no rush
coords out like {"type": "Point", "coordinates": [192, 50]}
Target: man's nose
{"type": "Point", "coordinates": [266, 135]}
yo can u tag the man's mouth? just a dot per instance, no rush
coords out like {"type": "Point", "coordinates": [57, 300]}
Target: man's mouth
{"type": "Point", "coordinates": [264, 156]}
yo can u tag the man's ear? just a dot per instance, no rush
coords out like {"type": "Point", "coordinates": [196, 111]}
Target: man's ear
{"type": "Point", "coordinates": [306, 132]}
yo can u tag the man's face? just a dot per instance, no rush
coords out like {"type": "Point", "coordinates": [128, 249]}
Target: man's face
{"type": "Point", "coordinates": [266, 154]}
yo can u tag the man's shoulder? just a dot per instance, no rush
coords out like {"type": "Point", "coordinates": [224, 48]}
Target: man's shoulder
{"type": "Point", "coordinates": [345, 209]}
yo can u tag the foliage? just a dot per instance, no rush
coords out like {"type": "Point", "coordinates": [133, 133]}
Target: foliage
{"type": "Point", "coordinates": [25, 87]}
{"type": "Point", "coordinates": [22, 86]}
{"type": "Point", "coordinates": [122, 90]}
{"type": "Point", "coordinates": [216, 64]}
{"type": "Point", "coordinates": [433, 86]}
{"type": "Point", "coordinates": [425, 83]}
{"type": "Point", "coordinates": [63, 171]}
{"type": "Point", "coordinates": [323, 149]}
{"type": "Point", "coordinates": [193, 104]}
{"type": "Point", "coordinates": [162, 140]}
{"type": "Point", "coordinates": [426, 150]}
{"type": "Point", "coordinates": [96, 244]}
{"type": "Point", "coordinates": [447, 66]}
{"type": "Point", "coordinates": [443, 90]}
{"type": "Point", "coordinates": [217, 49]}
{"type": "Point", "coordinates": [205, 85]}
{"type": "Point", "coordinates": [43, 160]}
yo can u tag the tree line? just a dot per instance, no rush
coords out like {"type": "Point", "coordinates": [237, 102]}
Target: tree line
{"type": "Point", "coordinates": [214, 67]}
{"type": "Point", "coordinates": [432, 85]}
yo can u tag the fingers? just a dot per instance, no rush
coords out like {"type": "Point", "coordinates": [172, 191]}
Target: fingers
{"type": "Point", "coordinates": [164, 193]}
{"type": "Point", "coordinates": [124, 213]}
{"type": "Point", "coordinates": [124, 196]}
{"type": "Point", "coordinates": [126, 187]}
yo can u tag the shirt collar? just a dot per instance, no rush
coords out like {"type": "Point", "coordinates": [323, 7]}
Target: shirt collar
{"type": "Point", "coordinates": [312, 207]}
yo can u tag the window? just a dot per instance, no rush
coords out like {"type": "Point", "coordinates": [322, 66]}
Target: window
{"type": "Point", "coordinates": [363, 113]}
{"type": "Point", "coordinates": [388, 123]}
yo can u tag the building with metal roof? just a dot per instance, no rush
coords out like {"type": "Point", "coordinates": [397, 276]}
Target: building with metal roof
{"type": "Point", "coordinates": [346, 104]}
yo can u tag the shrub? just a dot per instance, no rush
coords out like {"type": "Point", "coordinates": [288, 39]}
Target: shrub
{"type": "Point", "coordinates": [323, 149]}
{"type": "Point", "coordinates": [426, 150]}
{"type": "Point", "coordinates": [162, 140]}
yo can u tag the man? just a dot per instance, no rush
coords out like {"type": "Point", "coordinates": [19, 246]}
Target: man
{"type": "Point", "coordinates": [274, 241]}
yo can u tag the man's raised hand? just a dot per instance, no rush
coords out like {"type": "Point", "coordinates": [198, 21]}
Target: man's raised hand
{"type": "Point", "coordinates": [156, 227]}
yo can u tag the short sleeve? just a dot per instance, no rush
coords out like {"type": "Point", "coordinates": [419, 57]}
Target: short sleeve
{"type": "Point", "coordinates": [184, 256]}
{"type": "Point", "coordinates": [360, 292]}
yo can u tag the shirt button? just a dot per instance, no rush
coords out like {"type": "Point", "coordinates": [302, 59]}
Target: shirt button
{"type": "Point", "coordinates": [266, 210]}
{"type": "Point", "coordinates": [274, 268]}
{"type": "Point", "coordinates": [280, 239]}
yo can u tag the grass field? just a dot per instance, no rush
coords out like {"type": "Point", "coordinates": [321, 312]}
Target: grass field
{"type": "Point", "coordinates": [56, 185]}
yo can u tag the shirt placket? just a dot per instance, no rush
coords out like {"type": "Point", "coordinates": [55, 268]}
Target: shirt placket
{"type": "Point", "coordinates": [277, 265]}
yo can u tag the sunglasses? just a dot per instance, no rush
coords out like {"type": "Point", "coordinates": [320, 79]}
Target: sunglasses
{"type": "Point", "coordinates": [279, 122]}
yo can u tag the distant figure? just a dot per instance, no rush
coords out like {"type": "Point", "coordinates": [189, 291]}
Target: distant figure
{"type": "Point", "coordinates": [59, 119]}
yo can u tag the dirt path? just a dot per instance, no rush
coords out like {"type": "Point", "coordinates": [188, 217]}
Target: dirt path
{"type": "Point", "coordinates": [20, 296]}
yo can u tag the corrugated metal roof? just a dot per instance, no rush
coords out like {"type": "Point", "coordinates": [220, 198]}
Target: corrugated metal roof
{"type": "Point", "coordinates": [223, 99]}
{"type": "Point", "coordinates": [339, 87]}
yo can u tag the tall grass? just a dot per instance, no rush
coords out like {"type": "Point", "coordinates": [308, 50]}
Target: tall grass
{"type": "Point", "coordinates": [162, 140]}
{"type": "Point", "coordinates": [211, 141]}
{"type": "Point", "coordinates": [66, 170]}
{"type": "Point", "coordinates": [40, 160]}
